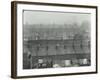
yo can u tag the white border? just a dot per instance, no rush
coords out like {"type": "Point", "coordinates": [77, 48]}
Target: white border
{"type": "Point", "coordinates": [21, 72]}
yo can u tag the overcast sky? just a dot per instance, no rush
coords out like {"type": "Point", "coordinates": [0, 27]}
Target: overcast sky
{"type": "Point", "coordinates": [43, 17]}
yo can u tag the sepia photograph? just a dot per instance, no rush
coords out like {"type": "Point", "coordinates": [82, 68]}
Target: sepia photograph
{"type": "Point", "coordinates": [53, 39]}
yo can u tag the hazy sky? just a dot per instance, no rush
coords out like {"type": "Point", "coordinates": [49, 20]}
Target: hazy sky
{"type": "Point", "coordinates": [43, 17]}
